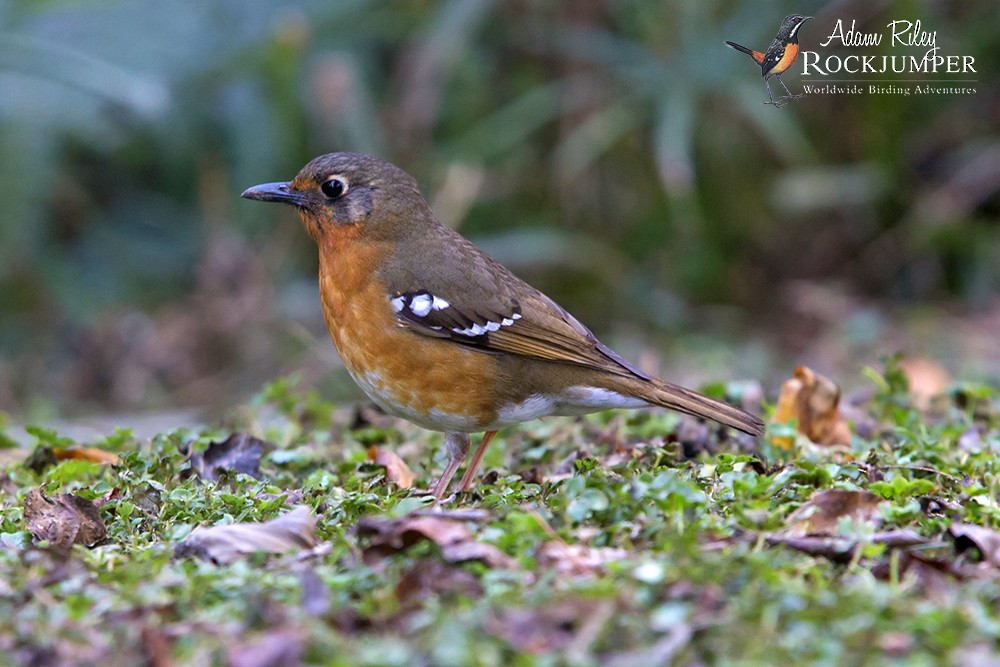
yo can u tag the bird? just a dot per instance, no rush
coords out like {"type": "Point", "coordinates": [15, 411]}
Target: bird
{"type": "Point", "coordinates": [779, 55]}
{"type": "Point", "coordinates": [439, 333]}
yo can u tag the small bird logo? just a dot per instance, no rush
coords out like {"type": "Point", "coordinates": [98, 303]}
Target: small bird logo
{"type": "Point", "coordinates": [779, 56]}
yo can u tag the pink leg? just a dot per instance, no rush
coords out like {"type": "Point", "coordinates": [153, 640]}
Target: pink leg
{"type": "Point", "coordinates": [457, 445]}
{"type": "Point", "coordinates": [470, 470]}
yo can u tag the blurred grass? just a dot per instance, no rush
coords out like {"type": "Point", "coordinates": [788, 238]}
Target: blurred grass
{"type": "Point", "coordinates": [623, 133]}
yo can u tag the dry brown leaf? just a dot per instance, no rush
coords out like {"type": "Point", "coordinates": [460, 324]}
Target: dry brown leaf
{"type": "Point", "coordinates": [224, 544]}
{"type": "Point", "coordinates": [554, 627]}
{"type": "Point", "coordinates": [64, 520]}
{"type": "Point", "coordinates": [389, 536]}
{"type": "Point", "coordinates": [814, 527]}
{"type": "Point", "coordinates": [274, 648]}
{"type": "Point", "coordinates": [577, 559]}
{"type": "Point", "coordinates": [822, 514]}
{"type": "Point", "coordinates": [927, 378]}
{"type": "Point", "coordinates": [435, 578]}
{"type": "Point", "coordinates": [843, 549]}
{"type": "Point", "coordinates": [396, 470]}
{"type": "Point", "coordinates": [934, 578]}
{"type": "Point", "coordinates": [240, 452]}
{"type": "Point", "coordinates": [986, 540]}
{"type": "Point", "coordinates": [91, 454]}
{"type": "Point", "coordinates": [316, 595]}
{"type": "Point", "coordinates": [812, 400]}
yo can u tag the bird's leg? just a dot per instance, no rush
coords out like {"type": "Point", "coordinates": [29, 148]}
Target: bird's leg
{"type": "Point", "coordinates": [789, 96]}
{"type": "Point", "coordinates": [767, 84]}
{"type": "Point", "coordinates": [470, 470]}
{"type": "Point", "coordinates": [457, 445]}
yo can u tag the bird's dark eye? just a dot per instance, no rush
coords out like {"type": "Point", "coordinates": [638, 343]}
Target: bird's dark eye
{"type": "Point", "coordinates": [333, 188]}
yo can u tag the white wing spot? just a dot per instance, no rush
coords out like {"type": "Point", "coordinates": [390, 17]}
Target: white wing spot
{"type": "Point", "coordinates": [421, 305]}
{"type": "Point", "coordinates": [474, 330]}
{"type": "Point", "coordinates": [398, 303]}
{"type": "Point", "coordinates": [515, 316]}
{"type": "Point", "coordinates": [439, 303]}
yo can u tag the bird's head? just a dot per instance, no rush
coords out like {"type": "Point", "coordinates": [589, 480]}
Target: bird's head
{"type": "Point", "coordinates": [338, 192]}
{"type": "Point", "coordinates": [790, 26]}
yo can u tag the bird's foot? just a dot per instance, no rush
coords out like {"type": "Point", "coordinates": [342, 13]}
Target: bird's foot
{"type": "Point", "coordinates": [777, 104]}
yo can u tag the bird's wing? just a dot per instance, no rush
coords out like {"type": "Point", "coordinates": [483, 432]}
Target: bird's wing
{"type": "Point", "coordinates": [471, 299]}
{"type": "Point", "coordinates": [771, 57]}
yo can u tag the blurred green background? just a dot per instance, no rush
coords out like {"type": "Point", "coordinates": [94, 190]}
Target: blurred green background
{"type": "Point", "coordinates": [612, 152]}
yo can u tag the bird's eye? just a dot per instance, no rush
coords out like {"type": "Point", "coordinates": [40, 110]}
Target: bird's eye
{"type": "Point", "coordinates": [333, 188]}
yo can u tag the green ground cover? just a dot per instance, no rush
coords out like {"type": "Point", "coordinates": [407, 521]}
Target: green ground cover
{"type": "Point", "coordinates": [628, 538]}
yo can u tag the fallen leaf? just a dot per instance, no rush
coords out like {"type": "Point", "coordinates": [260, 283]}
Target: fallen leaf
{"type": "Point", "coordinates": [64, 520]}
{"type": "Point", "coordinates": [224, 544]}
{"type": "Point", "coordinates": [812, 399]}
{"type": "Point", "coordinates": [396, 470]}
{"type": "Point", "coordinates": [91, 454]}
{"type": "Point", "coordinates": [836, 549]}
{"type": "Point", "coordinates": [550, 628]}
{"type": "Point", "coordinates": [934, 578]}
{"type": "Point", "coordinates": [663, 652]}
{"type": "Point", "coordinates": [927, 379]}
{"type": "Point", "coordinates": [113, 494]}
{"type": "Point", "coordinates": [156, 646]}
{"type": "Point", "coordinates": [842, 549]}
{"type": "Point", "coordinates": [276, 648]}
{"type": "Point", "coordinates": [577, 559]}
{"type": "Point", "coordinates": [315, 594]}
{"type": "Point", "coordinates": [435, 578]}
{"type": "Point", "coordinates": [240, 453]}
{"type": "Point", "coordinates": [385, 537]}
{"type": "Point", "coordinates": [823, 512]}
{"type": "Point", "coordinates": [986, 540]}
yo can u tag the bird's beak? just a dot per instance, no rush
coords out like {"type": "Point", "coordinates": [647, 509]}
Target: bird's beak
{"type": "Point", "coordinates": [805, 18]}
{"type": "Point", "coordinates": [279, 192]}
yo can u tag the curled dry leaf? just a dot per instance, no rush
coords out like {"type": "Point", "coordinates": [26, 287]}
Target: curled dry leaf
{"type": "Point", "coordinates": [842, 549]}
{"type": "Point", "coordinates": [64, 520]}
{"type": "Point", "coordinates": [927, 379]}
{"type": "Point", "coordinates": [240, 452]}
{"type": "Point", "coordinates": [813, 400]}
{"type": "Point", "coordinates": [457, 544]}
{"type": "Point", "coordinates": [91, 454]}
{"type": "Point", "coordinates": [986, 540]}
{"type": "Point", "coordinates": [822, 514]}
{"type": "Point", "coordinates": [294, 530]}
{"type": "Point", "coordinates": [396, 470]}
{"type": "Point", "coordinates": [814, 527]}
{"type": "Point", "coordinates": [934, 577]}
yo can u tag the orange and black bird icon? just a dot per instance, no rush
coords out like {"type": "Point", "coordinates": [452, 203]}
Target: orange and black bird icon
{"type": "Point", "coordinates": [779, 56]}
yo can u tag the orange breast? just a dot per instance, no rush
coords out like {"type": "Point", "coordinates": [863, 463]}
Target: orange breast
{"type": "Point", "coordinates": [791, 53]}
{"type": "Point", "coordinates": [433, 382]}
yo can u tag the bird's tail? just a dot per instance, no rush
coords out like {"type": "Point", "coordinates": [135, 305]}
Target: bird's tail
{"type": "Point", "coordinates": [740, 48]}
{"type": "Point", "coordinates": [664, 394]}
{"type": "Point", "coordinates": [756, 55]}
